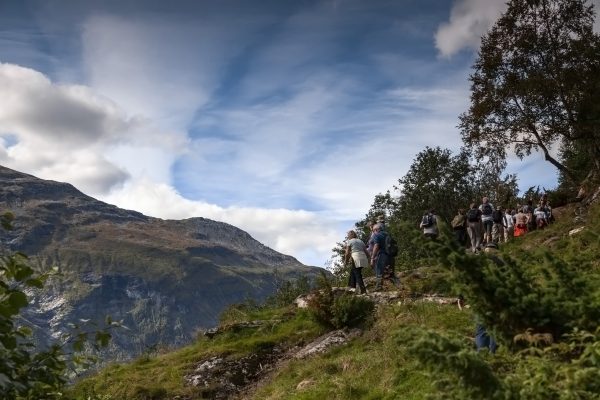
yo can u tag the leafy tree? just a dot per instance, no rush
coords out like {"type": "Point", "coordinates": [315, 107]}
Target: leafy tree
{"type": "Point", "coordinates": [438, 180]}
{"type": "Point", "coordinates": [535, 83]}
{"type": "Point", "coordinates": [489, 182]}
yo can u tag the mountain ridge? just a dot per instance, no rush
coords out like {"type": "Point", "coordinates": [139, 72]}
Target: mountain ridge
{"type": "Point", "coordinates": [165, 278]}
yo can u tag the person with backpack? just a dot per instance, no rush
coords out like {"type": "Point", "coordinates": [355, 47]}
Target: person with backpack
{"type": "Point", "coordinates": [541, 216]}
{"type": "Point", "coordinates": [487, 209]}
{"type": "Point", "coordinates": [429, 224]}
{"type": "Point", "coordinates": [356, 252]}
{"type": "Point", "coordinates": [474, 227]}
{"type": "Point", "coordinates": [380, 257]}
{"type": "Point", "coordinates": [459, 226]}
{"type": "Point", "coordinates": [498, 226]}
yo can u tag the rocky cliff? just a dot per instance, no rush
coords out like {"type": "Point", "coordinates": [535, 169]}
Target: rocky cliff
{"type": "Point", "coordinates": [165, 279]}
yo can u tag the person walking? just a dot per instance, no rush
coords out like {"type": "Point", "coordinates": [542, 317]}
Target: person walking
{"type": "Point", "coordinates": [459, 226]}
{"type": "Point", "coordinates": [498, 226]}
{"type": "Point", "coordinates": [487, 209]}
{"type": "Point", "coordinates": [521, 222]}
{"type": "Point", "coordinates": [356, 252]}
{"type": "Point", "coordinates": [474, 227]}
{"type": "Point", "coordinates": [429, 224]}
{"type": "Point", "coordinates": [379, 257]}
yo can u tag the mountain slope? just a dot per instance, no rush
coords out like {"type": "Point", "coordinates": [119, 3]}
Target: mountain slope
{"type": "Point", "coordinates": [164, 278]}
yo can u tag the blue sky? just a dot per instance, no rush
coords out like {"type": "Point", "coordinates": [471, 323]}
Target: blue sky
{"type": "Point", "coordinates": [283, 118]}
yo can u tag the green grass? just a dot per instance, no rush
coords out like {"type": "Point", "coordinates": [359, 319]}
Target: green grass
{"type": "Point", "coordinates": [162, 376]}
{"type": "Point", "coordinates": [376, 365]}
{"type": "Point", "coordinates": [373, 366]}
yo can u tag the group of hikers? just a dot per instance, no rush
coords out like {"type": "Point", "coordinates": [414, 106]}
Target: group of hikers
{"type": "Point", "coordinates": [482, 226]}
{"type": "Point", "coordinates": [379, 253]}
{"type": "Point", "coordinates": [485, 226]}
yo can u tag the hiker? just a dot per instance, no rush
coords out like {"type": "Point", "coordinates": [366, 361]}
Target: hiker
{"type": "Point", "coordinates": [541, 216]}
{"type": "Point", "coordinates": [530, 212]}
{"type": "Point", "coordinates": [498, 225]}
{"type": "Point", "coordinates": [380, 259]}
{"type": "Point", "coordinates": [509, 223]}
{"type": "Point", "coordinates": [486, 219]}
{"type": "Point", "coordinates": [474, 227]}
{"type": "Point", "coordinates": [429, 224]}
{"type": "Point", "coordinates": [521, 220]}
{"type": "Point", "coordinates": [483, 340]}
{"type": "Point", "coordinates": [459, 226]}
{"type": "Point", "coordinates": [356, 252]}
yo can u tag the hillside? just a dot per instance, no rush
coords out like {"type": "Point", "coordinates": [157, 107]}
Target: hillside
{"type": "Point", "coordinates": [165, 279]}
{"type": "Point", "coordinates": [414, 349]}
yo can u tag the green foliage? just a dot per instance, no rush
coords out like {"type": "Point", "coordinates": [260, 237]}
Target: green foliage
{"type": "Point", "coordinates": [341, 311]}
{"type": "Point", "coordinates": [538, 374]}
{"type": "Point", "coordinates": [436, 179]}
{"type": "Point", "coordinates": [442, 354]}
{"type": "Point", "coordinates": [320, 303]}
{"type": "Point", "coordinates": [286, 291]}
{"type": "Point", "coordinates": [349, 311]}
{"type": "Point", "coordinates": [526, 290]}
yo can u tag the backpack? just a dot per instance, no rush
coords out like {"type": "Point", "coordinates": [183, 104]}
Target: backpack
{"type": "Point", "coordinates": [391, 246]}
{"type": "Point", "coordinates": [497, 216]}
{"type": "Point", "coordinates": [486, 209]}
{"type": "Point", "coordinates": [427, 220]}
{"type": "Point", "coordinates": [472, 215]}
{"type": "Point", "coordinates": [458, 222]}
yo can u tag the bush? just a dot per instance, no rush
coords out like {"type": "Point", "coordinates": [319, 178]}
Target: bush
{"type": "Point", "coordinates": [350, 311]}
{"type": "Point", "coordinates": [343, 311]}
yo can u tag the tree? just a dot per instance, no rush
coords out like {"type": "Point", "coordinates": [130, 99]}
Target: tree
{"type": "Point", "coordinates": [438, 180]}
{"type": "Point", "coordinates": [534, 83]}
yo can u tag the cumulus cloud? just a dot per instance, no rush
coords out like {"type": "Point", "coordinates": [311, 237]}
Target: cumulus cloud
{"type": "Point", "coordinates": [71, 133]}
{"type": "Point", "coordinates": [57, 131]}
{"type": "Point", "coordinates": [469, 20]}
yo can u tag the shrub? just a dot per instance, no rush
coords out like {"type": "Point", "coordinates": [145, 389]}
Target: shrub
{"type": "Point", "coordinates": [350, 311]}
{"type": "Point", "coordinates": [343, 311]}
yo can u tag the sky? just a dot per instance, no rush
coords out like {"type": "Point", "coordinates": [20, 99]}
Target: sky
{"type": "Point", "coordinates": [284, 118]}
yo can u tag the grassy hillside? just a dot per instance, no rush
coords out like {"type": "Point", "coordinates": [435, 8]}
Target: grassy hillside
{"type": "Point", "coordinates": [414, 350]}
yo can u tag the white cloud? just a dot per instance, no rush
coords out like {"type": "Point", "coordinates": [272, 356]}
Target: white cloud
{"type": "Point", "coordinates": [158, 66]}
{"type": "Point", "coordinates": [469, 20]}
{"type": "Point", "coordinates": [127, 161]}
{"type": "Point", "coordinates": [306, 235]}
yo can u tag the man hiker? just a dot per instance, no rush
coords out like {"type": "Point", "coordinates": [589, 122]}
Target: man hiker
{"type": "Point", "coordinates": [429, 224]}
{"type": "Point", "coordinates": [459, 226]}
{"type": "Point", "coordinates": [380, 259]}
{"type": "Point", "coordinates": [486, 219]}
{"type": "Point", "coordinates": [474, 227]}
{"type": "Point", "coordinates": [498, 226]}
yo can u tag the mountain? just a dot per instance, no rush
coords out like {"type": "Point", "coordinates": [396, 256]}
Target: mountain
{"type": "Point", "coordinates": [166, 279]}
